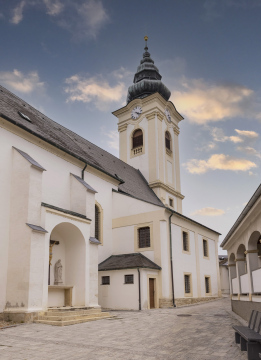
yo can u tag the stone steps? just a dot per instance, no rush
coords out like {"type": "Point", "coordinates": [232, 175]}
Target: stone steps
{"type": "Point", "coordinates": [63, 317]}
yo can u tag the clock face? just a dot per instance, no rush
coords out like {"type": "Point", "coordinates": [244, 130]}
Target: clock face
{"type": "Point", "coordinates": [167, 113]}
{"type": "Point", "coordinates": [136, 112]}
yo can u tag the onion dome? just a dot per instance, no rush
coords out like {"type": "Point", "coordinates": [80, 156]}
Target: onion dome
{"type": "Point", "coordinates": [147, 79]}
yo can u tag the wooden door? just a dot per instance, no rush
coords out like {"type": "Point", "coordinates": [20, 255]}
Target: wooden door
{"type": "Point", "coordinates": [152, 293]}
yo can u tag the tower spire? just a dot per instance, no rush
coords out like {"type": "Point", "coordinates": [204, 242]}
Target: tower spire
{"type": "Point", "coordinates": [146, 45]}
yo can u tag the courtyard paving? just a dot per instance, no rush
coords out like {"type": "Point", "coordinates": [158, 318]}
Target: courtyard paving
{"type": "Point", "coordinates": [156, 335]}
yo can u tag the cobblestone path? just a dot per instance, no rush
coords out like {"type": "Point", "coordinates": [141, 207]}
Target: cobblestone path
{"type": "Point", "coordinates": [147, 335]}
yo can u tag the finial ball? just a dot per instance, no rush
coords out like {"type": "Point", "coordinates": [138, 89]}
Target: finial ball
{"type": "Point", "coordinates": [145, 38]}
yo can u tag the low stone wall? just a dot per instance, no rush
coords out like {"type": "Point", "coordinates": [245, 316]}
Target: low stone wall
{"type": "Point", "coordinates": [189, 301]}
{"type": "Point", "coordinates": [165, 303]}
{"type": "Point", "coordinates": [244, 308]}
{"type": "Point", "coordinates": [20, 317]}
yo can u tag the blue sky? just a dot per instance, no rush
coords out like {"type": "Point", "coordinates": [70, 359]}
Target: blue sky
{"type": "Point", "coordinates": [74, 60]}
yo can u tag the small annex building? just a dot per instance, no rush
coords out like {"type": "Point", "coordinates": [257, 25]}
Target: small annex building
{"type": "Point", "coordinates": [243, 245]}
{"type": "Point", "coordinates": [81, 227]}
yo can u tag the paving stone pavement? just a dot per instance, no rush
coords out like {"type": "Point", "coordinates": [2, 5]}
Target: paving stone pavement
{"type": "Point", "coordinates": [147, 335]}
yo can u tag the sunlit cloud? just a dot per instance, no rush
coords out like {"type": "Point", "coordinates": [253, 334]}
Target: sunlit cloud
{"type": "Point", "coordinates": [247, 133]}
{"type": "Point", "coordinates": [17, 13]}
{"type": "Point", "coordinates": [218, 162]}
{"type": "Point", "coordinates": [209, 211]}
{"type": "Point", "coordinates": [23, 83]}
{"type": "Point", "coordinates": [249, 150]}
{"type": "Point", "coordinates": [202, 103]}
{"type": "Point", "coordinates": [93, 89]}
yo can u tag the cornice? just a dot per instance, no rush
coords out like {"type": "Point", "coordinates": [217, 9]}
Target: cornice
{"type": "Point", "coordinates": [166, 187]}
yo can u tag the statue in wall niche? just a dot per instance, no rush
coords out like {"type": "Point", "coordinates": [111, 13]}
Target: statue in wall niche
{"type": "Point", "coordinates": [58, 273]}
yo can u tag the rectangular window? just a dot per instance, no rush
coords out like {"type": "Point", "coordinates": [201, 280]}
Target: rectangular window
{"type": "Point", "coordinates": [170, 202]}
{"type": "Point", "coordinates": [105, 280]}
{"type": "Point", "coordinates": [205, 248]}
{"type": "Point", "coordinates": [129, 279]}
{"type": "Point", "coordinates": [207, 284]}
{"type": "Point", "coordinates": [187, 284]}
{"type": "Point", "coordinates": [144, 237]}
{"type": "Point", "coordinates": [185, 241]}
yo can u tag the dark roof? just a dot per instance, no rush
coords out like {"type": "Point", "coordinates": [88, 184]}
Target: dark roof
{"type": "Point", "coordinates": [36, 228]}
{"type": "Point", "coordinates": [30, 159]}
{"type": "Point", "coordinates": [57, 135]}
{"type": "Point", "coordinates": [93, 240]}
{"type": "Point", "coordinates": [127, 261]}
{"type": "Point", "coordinates": [191, 220]}
{"type": "Point", "coordinates": [69, 212]}
{"type": "Point", "coordinates": [244, 213]}
{"type": "Point", "coordinates": [84, 183]}
{"type": "Point", "coordinates": [223, 260]}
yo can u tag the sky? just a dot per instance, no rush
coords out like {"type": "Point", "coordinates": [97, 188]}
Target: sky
{"type": "Point", "coordinates": [75, 59]}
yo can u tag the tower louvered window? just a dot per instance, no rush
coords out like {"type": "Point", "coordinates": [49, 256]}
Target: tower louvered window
{"type": "Point", "coordinates": [97, 222]}
{"type": "Point", "coordinates": [137, 139]}
{"type": "Point", "coordinates": [167, 140]}
{"type": "Point", "coordinates": [144, 237]}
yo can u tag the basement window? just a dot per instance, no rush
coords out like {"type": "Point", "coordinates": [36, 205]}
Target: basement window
{"type": "Point", "coordinates": [207, 284]}
{"type": "Point", "coordinates": [129, 279]}
{"type": "Point", "coordinates": [105, 280]}
{"type": "Point", "coordinates": [187, 284]}
{"type": "Point", "coordinates": [24, 116]}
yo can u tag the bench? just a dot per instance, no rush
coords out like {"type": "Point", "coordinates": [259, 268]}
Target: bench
{"type": "Point", "coordinates": [249, 337]}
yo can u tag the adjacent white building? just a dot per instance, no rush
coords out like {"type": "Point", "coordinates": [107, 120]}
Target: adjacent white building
{"type": "Point", "coordinates": [243, 244]}
{"type": "Point", "coordinates": [116, 225]}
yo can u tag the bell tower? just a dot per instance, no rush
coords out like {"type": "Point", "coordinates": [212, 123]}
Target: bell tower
{"type": "Point", "coordinates": [148, 129]}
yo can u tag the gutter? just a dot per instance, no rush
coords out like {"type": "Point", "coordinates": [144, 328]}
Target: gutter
{"type": "Point", "coordinates": [83, 171]}
{"type": "Point", "coordinates": [171, 261]}
{"type": "Point", "coordinates": [139, 290]}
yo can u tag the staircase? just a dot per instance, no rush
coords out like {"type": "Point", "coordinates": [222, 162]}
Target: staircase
{"type": "Point", "coordinates": [70, 315]}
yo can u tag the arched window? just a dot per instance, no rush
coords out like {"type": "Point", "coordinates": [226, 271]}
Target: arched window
{"type": "Point", "coordinates": [97, 223]}
{"type": "Point", "coordinates": [137, 139]}
{"type": "Point", "coordinates": [167, 140]}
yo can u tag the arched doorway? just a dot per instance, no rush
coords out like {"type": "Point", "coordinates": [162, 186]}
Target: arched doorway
{"type": "Point", "coordinates": [69, 259]}
{"type": "Point", "coordinates": [242, 269]}
{"type": "Point", "coordinates": [254, 261]}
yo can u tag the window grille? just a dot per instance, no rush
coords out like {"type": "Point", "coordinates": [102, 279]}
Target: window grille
{"type": "Point", "coordinates": [207, 285]}
{"type": "Point", "coordinates": [187, 284]}
{"type": "Point", "coordinates": [129, 279]}
{"type": "Point", "coordinates": [105, 280]}
{"type": "Point", "coordinates": [97, 222]}
{"type": "Point", "coordinates": [137, 139]}
{"type": "Point", "coordinates": [205, 248]}
{"type": "Point", "coordinates": [144, 237]}
{"type": "Point", "coordinates": [167, 140]}
{"type": "Point", "coordinates": [185, 241]}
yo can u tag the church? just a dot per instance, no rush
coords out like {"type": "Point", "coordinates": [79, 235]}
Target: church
{"type": "Point", "coordinates": [83, 228]}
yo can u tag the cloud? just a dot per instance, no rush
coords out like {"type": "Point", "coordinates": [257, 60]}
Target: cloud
{"type": "Point", "coordinates": [94, 89]}
{"type": "Point", "coordinates": [84, 20]}
{"type": "Point", "coordinates": [113, 136]}
{"type": "Point", "coordinates": [24, 83]}
{"type": "Point", "coordinates": [202, 103]}
{"type": "Point", "coordinates": [218, 162]}
{"type": "Point", "coordinates": [209, 211]}
{"type": "Point", "coordinates": [250, 151]}
{"type": "Point", "coordinates": [248, 134]}
{"type": "Point", "coordinates": [219, 136]}
{"type": "Point", "coordinates": [17, 15]}
{"type": "Point", "coordinates": [54, 7]}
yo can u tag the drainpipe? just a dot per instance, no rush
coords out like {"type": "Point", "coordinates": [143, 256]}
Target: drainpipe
{"type": "Point", "coordinates": [83, 171]}
{"type": "Point", "coordinates": [171, 262]}
{"type": "Point", "coordinates": [139, 289]}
